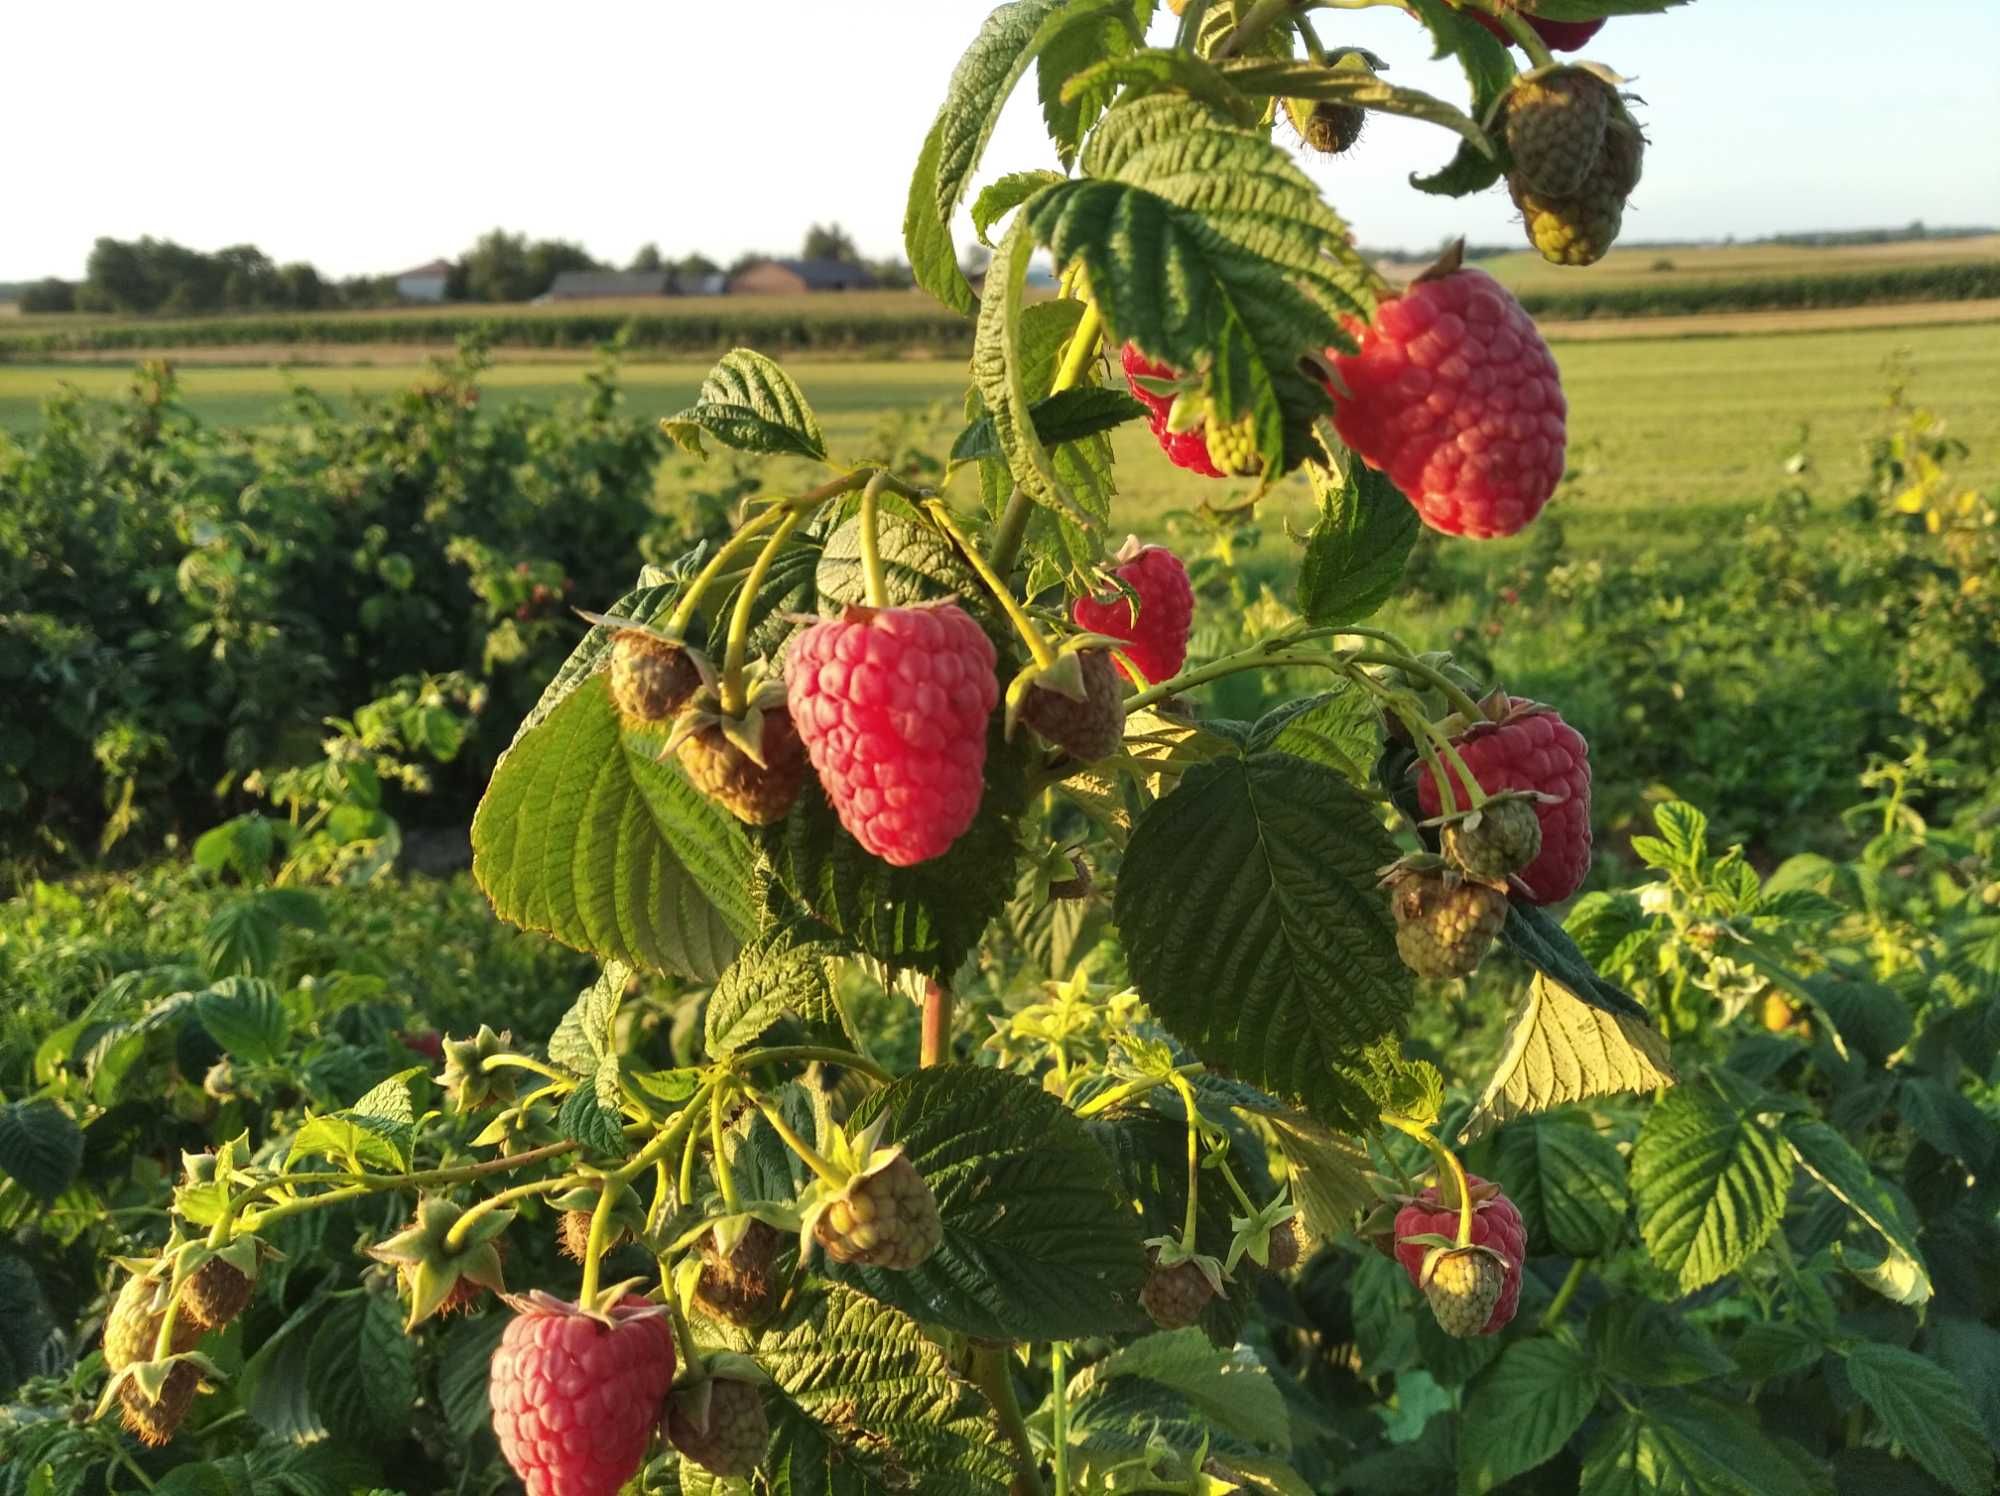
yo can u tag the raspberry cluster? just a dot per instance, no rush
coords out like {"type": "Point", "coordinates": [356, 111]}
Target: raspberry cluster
{"type": "Point", "coordinates": [1156, 632]}
{"type": "Point", "coordinates": [1531, 748]}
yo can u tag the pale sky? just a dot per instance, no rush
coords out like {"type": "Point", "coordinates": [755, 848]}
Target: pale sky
{"type": "Point", "coordinates": [371, 136]}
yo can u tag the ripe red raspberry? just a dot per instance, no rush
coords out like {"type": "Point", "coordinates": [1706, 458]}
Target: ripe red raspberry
{"type": "Point", "coordinates": [1155, 641]}
{"type": "Point", "coordinates": [1531, 749]}
{"type": "Point", "coordinates": [1089, 727]}
{"type": "Point", "coordinates": [1495, 1223]}
{"type": "Point", "coordinates": [575, 1400]}
{"type": "Point", "coordinates": [1559, 36]}
{"type": "Point", "coordinates": [1185, 449]}
{"type": "Point", "coordinates": [1456, 397]}
{"type": "Point", "coordinates": [892, 704]}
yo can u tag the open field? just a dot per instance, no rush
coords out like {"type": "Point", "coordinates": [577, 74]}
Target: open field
{"type": "Point", "coordinates": [1526, 271]}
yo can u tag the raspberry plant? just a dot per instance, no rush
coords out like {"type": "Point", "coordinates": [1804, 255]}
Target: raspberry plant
{"type": "Point", "coordinates": [805, 1264]}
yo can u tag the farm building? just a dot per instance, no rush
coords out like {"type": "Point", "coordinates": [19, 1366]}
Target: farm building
{"type": "Point", "coordinates": [607, 285]}
{"type": "Point", "coordinates": [789, 277]}
{"type": "Point", "coordinates": [425, 283]}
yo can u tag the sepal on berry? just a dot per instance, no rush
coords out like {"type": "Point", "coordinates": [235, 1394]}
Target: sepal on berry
{"type": "Point", "coordinates": [218, 1282]}
{"type": "Point", "coordinates": [432, 1269]}
{"type": "Point", "coordinates": [469, 1079]}
{"type": "Point", "coordinates": [1265, 1236]}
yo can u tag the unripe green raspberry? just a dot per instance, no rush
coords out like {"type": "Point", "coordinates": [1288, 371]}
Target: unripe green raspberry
{"type": "Point", "coordinates": [887, 1217]}
{"type": "Point", "coordinates": [1445, 924]}
{"type": "Point", "coordinates": [1175, 1296]}
{"type": "Point", "coordinates": [1580, 230]}
{"type": "Point", "coordinates": [1462, 1286]}
{"type": "Point", "coordinates": [1555, 129]}
{"type": "Point", "coordinates": [1495, 842]}
{"type": "Point", "coordinates": [722, 1428]}
{"type": "Point", "coordinates": [1232, 447]}
{"type": "Point", "coordinates": [651, 677]}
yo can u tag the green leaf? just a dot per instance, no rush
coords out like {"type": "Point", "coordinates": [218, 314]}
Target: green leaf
{"type": "Point", "coordinates": [1489, 69]}
{"type": "Point", "coordinates": [1037, 1242]}
{"type": "Point", "coordinates": [1356, 550]}
{"type": "Point", "coordinates": [1636, 1340]}
{"type": "Point", "coordinates": [1688, 1446]}
{"type": "Point", "coordinates": [1768, 1349]}
{"type": "Point", "coordinates": [1328, 1173]}
{"type": "Point", "coordinates": [1532, 934]}
{"type": "Point", "coordinates": [749, 403]}
{"type": "Point", "coordinates": [1230, 1392]}
{"type": "Point", "coordinates": [242, 939]}
{"type": "Point", "coordinates": [1248, 906]}
{"type": "Point", "coordinates": [1558, 1050]}
{"type": "Point", "coordinates": [999, 198]}
{"type": "Point", "coordinates": [1709, 1184]}
{"type": "Point", "coordinates": [919, 564]}
{"type": "Point", "coordinates": [784, 970]}
{"type": "Point", "coordinates": [1522, 1412]}
{"type": "Point", "coordinates": [1069, 106]}
{"type": "Point", "coordinates": [1157, 71]}
{"type": "Point", "coordinates": [361, 1372]}
{"type": "Point", "coordinates": [41, 1147]}
{"type": "Point", "coordinates": [867, 1403]}
{"type": "Point", "coordinates": [1970, 1351]}
{"type": "Point", "coordinates": [928, 917]}
{"type": "Point", "coordinates": [272, 1385]}
{"type": "Point", "coordinates": [1924, 1409]}
{"type": "Point", "coordinates": [585, 836]}
{"type": "Point", "coordinates": [1829, 1158]}
{"type": "Point", "coordinates": [246, 1017]}
{"type": "Point", "coordinates": [1013, 36]}
{"type": "Point", "coordinates": [1066, 416]}
{"type": "Point", "coordinates": [1569, 1182]}
{"type": "Point", "coordinates": [588, 1121]}
{"type": "Point", "coordinates": [463, 1361]}
{"type": "Point", "coordinates": [582, 1039]}
{"type": "Point", "coordinates": [1340, 729]}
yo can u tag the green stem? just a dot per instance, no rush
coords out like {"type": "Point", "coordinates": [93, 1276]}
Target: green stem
{"type": "Point", "coordinates": [1448, 1165]}
{"type": "Point", "coordinates": [1260, 18]}
{"type": "Point", "coordinates": [145, 1482]}
{"type": "Point", "coordinates": [1250, 1207]}
{"type": "Point", "coordinates": [875, 583]}
{"type": "Point", "coordinates": [593, 1251]}
{"type": "Point", "coordinates": [690, 1154]}
{"type": "Point", "coordinates": [1118, 1095]}
{"type": "Point", "coordinates": [1082, 348]}
{"type": "Point", "coordinates": [1411, 665]}
{"type": "Point", "coordinates": [455, 1238]}
{"type": "Point", "coordinates": [1059, 1413]}
{"type": "Point", "coordinates": [1002, 593]}
{"type": "Point", "coordinates": [1552, 1315]}
{"type": "Point", "coordinates": [421, 1179]}
{"type": "Point", "coordinates": [1004, 548]}
{"type": "Point", "coordinates": [271, 1215]}
{"type": "Point", "coordinates": [525, 1062]}
{"type": "Point", "coordinates": [1264, 655]}
{"type": "Point", "coordinates": [663, 1141]}
{"type": "Point", "coordinates": [934, 1040]}
{"type": "Point", "coordinates": [1530, 40]}
{"type": "Point", "coordinates": [1427, 750]}
{"type": "Point", "coordinates": [163, 1341]}
{"type": "Point", "coordinates": [993, 1376]}
{"type": "Point", "coordinates": [734, 546]}
{"type": "Point", "coordinates": [684, 1341]}
{"type": "Point", "coordinates": [806, 1054]}
{"type": "Point", "coordinates": [733, 701]}
{"type": "Point", "coordinates": [1194, 1160]}
{"type": "Point", "coordinates": [723, 1174]}
{"type": "Point", "coordinates": [806, 1152]}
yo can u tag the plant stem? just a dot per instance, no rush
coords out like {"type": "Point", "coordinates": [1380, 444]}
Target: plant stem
{"type": "Point", "coordinates": [1082, 347]}
{"type": "Point", "coordinates": [1448, 1167]}
{"type": "Point", "coordinates": [684, 1341]}
{"type": "Point", "coordinates": [526, 1062]}
{"type": "Point", "coordinates": [723, 1175]}
{"type": "Point", "coordinates": [875, 584]}
{"type": "Point", "coordinates": [1118, 1095]}
{"type": "Point", "coordinates": [806, 1054]}
{"type": "Point", "coordinates": [665, 1140]}
{"type": "Point", "coordinates": [809, 1155]}
{"type": "Point", "coordinates": [1259, 19]}
{"type": "Point", "coordinates": [1059, 1413]}
{"type": "Point", "coordinates": [1530, 39]}
{"type": "Point", "coordinates": [1411, 665]}
{"type": "Point", "coordinates": [1264, 655]}
{"type": "Point", "coordinates": [1002, 593]}
{"type": "Point", "coordinates": [1250, 1207]}
{"type": "Point", "coordinates": [936, 1041]}
{"type": "Point", "coordinates": [1552, 1315]}
{"type": "Point", "coordinates": [455, 1238]}
{"type": "Point", "coordinates": [593, 1251]}
{"type": "Point", "coordinates": [746, 599]}
{"type": "Point", "coordinates": [1188, 1226]}
{"type": "Point", "coordinates": [994, 1377]}
{"type": "Point", "coordinates": [728, 551]}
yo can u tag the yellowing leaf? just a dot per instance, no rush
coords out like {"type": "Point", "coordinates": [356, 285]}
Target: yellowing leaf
{"type": "Point", "coordinates": [1560, 1050]}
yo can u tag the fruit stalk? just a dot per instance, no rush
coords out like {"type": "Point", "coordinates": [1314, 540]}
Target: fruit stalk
{"type": "Point", "coordinates": [1552, 1316]}
{"type": "Point", "coordinates": [1526, 36]}
{"type": "Point", "coordinates": [993, 1376]}
{"type": "Point", "coordinates": [807, 1054]}
{"type": "Point", "coordinates": [739, 624]}
{"type": "Point", "coordinates": [600, 1237]}
{"type": "Point", "coordinates": [1180, 1084]}
{"type": "Point", "coordinates": [1059, 1413]}
{"type": "Point", "coordinates": [1448, 1165]}
{"type": "Point", "coordinates": [808, 1155]}
{"type": "Point", "coordinates": [1031, 636]}
{"type": "Point", "coordinates": [936, 1040]}
{"type": "Point", "coordinates": [724, 1176]}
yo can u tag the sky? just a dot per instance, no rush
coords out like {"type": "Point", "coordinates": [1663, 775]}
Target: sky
{"type": "Point", "coordinates": [378, 134]}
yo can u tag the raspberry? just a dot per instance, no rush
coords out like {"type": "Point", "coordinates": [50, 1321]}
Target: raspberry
{"type": "Point", "coordinates": [1445, 924]}
{"type": "Point", "coordinates": [1156, 640]}
{"type": "Point", "coordinates": [1558, 36]}
{"type": "Point", "coordinates": [1331, 129]}
{"type": "Point", "coordinates": [1495, 1223]}
{"type": "Point", "coordinates": [1286, 1247]}
{"type": "Point", "coordinates": [741, 1287]}
{"type": "Point", "coordinates": [1086, 728]}
{"type": "Point", "coordinates": [721, 1425]}
{"type": "Point", "coordinates": [1531, 748]}
{"type": "Point", "coordinates": [759, 794]}
{"type": "Point", "coordinates": [574, 1398]}
{"type": "Point", "coordinates": [886, 1217]}
{"type": "Point", "coordinates": [1077, 885]}
{"type": "Point", "coordinates": [1496, 841]}
{"type": "Point", "coordinates": [1578, 230]}
{"type": "Point", "coordinates": [1185, 449]}
{"type": "Point", "coordinates": [1455, 396]}
{"type": "Point", "coordinates": [1555, 129]}
{"type": "Point", "coordinates": [1464, 1286]}
{"type": "Point", "coordinates": [651, 677]}
{"type": "Point", "coordinates": [156, 1420]}
{"type": "Point", "coordinates": [132, 1328]}
{"type": "Point", "coordinates": [470, 1082]}
{"type": "Point", "coordinates": [215, 1293]}
{"type": "Point", "coordinates": [1175, 1296]}
{"type": "Point", "coordinates": [892, 704]}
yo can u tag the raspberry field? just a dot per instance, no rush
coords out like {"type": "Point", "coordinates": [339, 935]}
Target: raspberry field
{"type": "Point", "coordinates": [1275, 885]}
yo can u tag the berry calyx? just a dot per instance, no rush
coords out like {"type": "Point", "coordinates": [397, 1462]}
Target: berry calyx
{"type": "Point", "coordinates": [1086, 721]}
{"type": "Point", "coordinates": [1520, 745]}
{"type": "Point", "coordinates": [892, 704]}
{"type": "Point", "coordinates": [468, 1079]}
{"type": "Point", "coordinates": [719, 1423]}
{"type": "Point", "coordinates": [652, 676]}
{"type": "Point", "coordinates": [575, 1396]}
{"type": "Point", "coordinates": [1155, 633]}
{"type": "Point", "coordinates": [1445, 923]}
{"type": "Point", "coordinates": [1455, 396]}
{"type": "Point", "coordinates": [1496, 1224]}
{"type": "Point", "coordinates": [751, 765]}
{"type": "Point", "coordinates": [439, 1272]}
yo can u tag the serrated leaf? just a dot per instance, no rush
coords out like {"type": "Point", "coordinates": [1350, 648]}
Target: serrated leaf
{"type": "Point", "coordinates": [1071, 106]}
{"type": "Point", "coordinates": [1156, 71]}
{"type": "Point", "coordinates": [1558, 1050]}
{"type": "Point", "coordinates": [784, 970]}
{"type": "Point", "coordinates": [241, 940]}
{"type": "Point", "coordinates": [1340, 729]}
{"type": "Point", "coordinates": [585, 836]}
{"type": "Point", "coordinates": [1000, 197]}
{"type": "Point", "coordinates": [41, 1147]}
{"type": "Point", "coordinates": [272, 1385]}
{"type": "Point", "coordinates": [1533, 934]}
{"type": "Point", "coordinates": [1675, 1443]}
{"type": "Point", "coordinates": [1522, 1412]}
{"type": "Point", "coordinates": [1774, 1348]}
{"type": "Point", "coordinates": [1066, 416]}
{"type": "Point", "coordinates": [1830, 1159]}
{"type": "Point", "coordinates": [582, 1037]}
{"type": "Point", "coordinates": [1636, 1340]}
{"type": "Point", "coordinates": [1489, 69]}
{"type": "Point", "coordinates": [586, 1120]}
{"type": "Point", "coordinates": [1013, 36]}
{"type": "Point", "coordinates": [1709, 1183]}
{"type": "Point", "coordinates": [749, 403]}
{"type": "Point", "coordinates": [1328, 1174]}
{"type": "Point", "coordinates": [1279, 856]}
{"type": "Point", "coordinates": [361, 1371]}
{"type": "Point", "coordinates": [464, 1359]}
{"type": "Point", "coordinates": [246, 1017]}
{"type": "Point", "coordinates": [1926, 1411]}
{"type": "Point", "coordinates": [1037, 1242]}
{"type": "Point", "coordinates": [1228, 1387]}
{"type": "Point", "coordinates": [1569, 1182]}
{"type": "Point", "coordinates": [867, 1403]}
{"type": "Point", "coordinates": [919, 564]}
{"type": "Point", "coordinates": [1356, 550]}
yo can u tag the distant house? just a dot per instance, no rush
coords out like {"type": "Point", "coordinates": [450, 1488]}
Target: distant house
{"type": "Point", "coordinates": [607, 285]}
{"type": "Point", "coordinates": [700, 282]}
{"type": "Point", "coordinates": [425, 283]}
{"type": "Point", "coordinates": [789, 277]}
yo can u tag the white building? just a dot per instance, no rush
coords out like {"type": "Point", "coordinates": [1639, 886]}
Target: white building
{"type": "Point", "coordinates": [425, 283]}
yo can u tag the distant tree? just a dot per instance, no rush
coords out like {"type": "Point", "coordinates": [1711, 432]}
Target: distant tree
{"type": "Point", "coordinates": [508, 267]}
{"type": "Point", "coordinates": [745, 260]}
{"type": "Point", "coordinates": [647, 260]}
{"type": "Point", "coordinates": [49, 295]}
{"type": "Point", "coordinates": [301, 289]}
{"type": "Point", "coordinates": [697, 264]}
{"type": "Point", "coordinates": [830, 242]}
{"type": "Point", "coordinates": [892, 274]}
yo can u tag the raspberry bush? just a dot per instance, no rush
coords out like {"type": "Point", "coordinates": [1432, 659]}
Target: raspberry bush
{"type": "Point", "coordinates": [943, 1185]}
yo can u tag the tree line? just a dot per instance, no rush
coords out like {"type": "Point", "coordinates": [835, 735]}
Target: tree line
{"type": "Point", "coordinates": [157, 275]}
